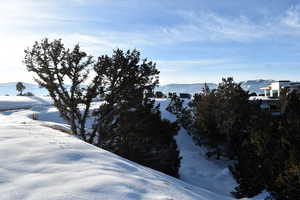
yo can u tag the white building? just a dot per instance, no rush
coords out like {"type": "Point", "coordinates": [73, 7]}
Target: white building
{"type": "Point", "coordinates": [274, 89]}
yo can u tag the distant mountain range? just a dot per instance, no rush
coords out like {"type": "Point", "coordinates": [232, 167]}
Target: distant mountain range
{"type": "Point", "coordinates": [250, 85]}
{"type": "Point", "coordinates": [185, 88]}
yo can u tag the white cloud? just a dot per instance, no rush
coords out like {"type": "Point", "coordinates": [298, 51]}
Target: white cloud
{"type": "Point", "coordinates": [21, 19]}
{"type": "Point", "coordinates": [208, 26]}
{"type": "Point", "coordinates": [292, 17]}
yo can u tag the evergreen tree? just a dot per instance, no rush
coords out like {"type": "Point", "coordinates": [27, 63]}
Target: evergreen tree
{"type": "Point", "coordinates": [286, 184]}
{"type": "Point", "coordinates": [222, 118]}
{"type": "Point", "coordinates": [55, 66]}
{"type": "Point", "coordinates": [20, 88]}
{"type": "Point", "coordinates": [129, 123]}
{"type": "Point", "coordinates": [180, 110]}
{"type": "Point", "coordinates": [272, 162]}
{"type": "Point", "coordinates": [176, 104]}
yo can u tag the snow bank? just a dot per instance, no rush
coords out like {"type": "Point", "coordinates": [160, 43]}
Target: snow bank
{"type": "Point", "coordinates": [41, 163]}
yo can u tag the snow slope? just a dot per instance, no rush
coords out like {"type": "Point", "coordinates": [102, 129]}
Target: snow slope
{"type": "Point", "coordinates": [41, 163]}
{"type": "Point", "coordinates": [36, 160]}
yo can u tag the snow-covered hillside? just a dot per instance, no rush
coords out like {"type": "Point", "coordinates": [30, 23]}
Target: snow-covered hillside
{"type": "Point", "coordinates": [39, 162]}
{"type": "Point", "coordinates": [255, 85]}
{"type": "Point", "coordinates": [249, 85]}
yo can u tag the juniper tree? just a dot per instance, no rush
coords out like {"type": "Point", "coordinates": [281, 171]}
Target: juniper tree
{"type": "Point", "coordinates": [286, 176]}
{"type": "Point", "coordinates": [128, 84]}
{"type": "Point", "coordinates": [63, 72]}
{"type": "Point", "coordinates": [129, 123]}
{"type": "Point", "coordinates": [222, 118]}
{"type": "Point", "coordinates": [180, 110]}
{"type": "Point", "coordinates": [269, 159]}
{"type": "Point", "coordinates": [20, 87]}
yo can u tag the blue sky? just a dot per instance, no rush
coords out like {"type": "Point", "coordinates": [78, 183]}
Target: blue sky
{"type": "Point", "coordinates": [191, 41]}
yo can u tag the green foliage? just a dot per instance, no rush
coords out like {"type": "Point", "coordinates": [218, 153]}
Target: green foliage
{"type": "Point", "coordinates": [20, 88]}
{"type": "Point", "coordinates": [142, 136]}
{"type": "Point", "coordinates": [181, 111]}
{"type": "Point", "coordinates": [129, 124]}
{"type": "Point", "coordinates": [54, 66]}
{"type": "Point", "coordinates": [275, 149]}
{"type": "Point", "coordinates": [176, 104]}
{"type": "Point", "coordinates": [222, 118]}
{"type": "Point", "coordinates": [286, 178]}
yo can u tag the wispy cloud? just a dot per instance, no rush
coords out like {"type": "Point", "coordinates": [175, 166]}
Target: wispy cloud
{"type": "Point", "coordinates": [292, 17]}
{"type": "Point", "coordinates": [190, 33]}
{"type": "Point", "coordinates": [208, 26]}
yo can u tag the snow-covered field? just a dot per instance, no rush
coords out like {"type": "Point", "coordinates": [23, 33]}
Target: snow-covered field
{"type": "Point", "coordinates": [22, 102]}
{"type": "Point", "coordinates": [39, 162]}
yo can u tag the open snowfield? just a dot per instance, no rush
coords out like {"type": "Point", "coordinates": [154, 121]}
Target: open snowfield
{"type": "Point", "coordinates": [39, 162]}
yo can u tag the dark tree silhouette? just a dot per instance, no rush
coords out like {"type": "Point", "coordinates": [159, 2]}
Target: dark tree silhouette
{"type": "Point", "coordinates": [54, 66]}
{"type": "Point", "coordinates": [20, 87]}
{"type": "Point", "coordinates": [129, 123]}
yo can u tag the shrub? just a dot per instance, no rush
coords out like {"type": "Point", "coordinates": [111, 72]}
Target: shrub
{"type": "Point", "coordinates": [29, 94]}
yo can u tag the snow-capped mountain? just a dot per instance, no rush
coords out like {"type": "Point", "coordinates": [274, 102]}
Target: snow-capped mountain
{"type": "Point", "coordinates": [249, 85]}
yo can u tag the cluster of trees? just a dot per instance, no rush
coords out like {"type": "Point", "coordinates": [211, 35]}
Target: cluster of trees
{"type": "Point", "coordinates": [265, 147]}
{"type": "Point", "coordinates": [128, 122]}
{"type": "Point", "coordinates": [20, 87]}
